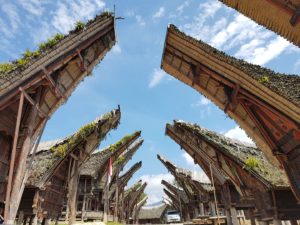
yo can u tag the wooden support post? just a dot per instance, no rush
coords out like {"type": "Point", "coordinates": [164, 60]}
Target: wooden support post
{"type": "Point", "coordinates": [228, 217]}
{"type": "Point", "coordinates": [35, 220]}
{"type": "Point", "coordinates": [201, 207]}
{"type": "Point", "coordinates": [293, 222]}
{"type": "Point", "coordinates": [21, 217]}
{"type": "Point", "coordinates": [233, 214]}
{"type": "Point", "coordinates": [117, 203]}
{"type": "Point", "coordinates": [252, 218]}
{"type": "Point", "coordinates": [72, 189]}
{"type": "Point", "coordinates": [8, 219]}
{"type": "Point", "coordinates": [46, 221]}
{"type": "Point", "coordinates": [212, 208]}
{"type": "Point", "coordinates": [83, 208]}
{"type": "Point", "coordinates": [25, 220]}
{"type": "Point", "coordinates": [263, 222]}
{"type": "Point", "coordinates": [277, 222]}
{"type": "Point", "coordinates": [21, 166]}
{"type": "Point", "coordinates": [30, 220]}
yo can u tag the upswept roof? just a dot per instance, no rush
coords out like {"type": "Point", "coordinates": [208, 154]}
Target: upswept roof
{"type": "Point", "coordinates": [51, 154]}
{"type": "Point", "coordinates": [97, 162]}
{"type": "Point", "coordinates": [152, 213]}
{"type": "Point", "coordinates": [58, 46]}
{"type": "Point", "coordinates": [274, 15]}
{"type": "Point", "coordinates": [240, 152]}
{"type": "Point", "coordinates": [176, 191]}
{"type": "Point", "coordinates": [287, 86]}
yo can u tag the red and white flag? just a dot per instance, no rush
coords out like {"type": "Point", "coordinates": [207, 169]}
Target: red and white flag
{"type": "Point", "coordinates": [109, 171]}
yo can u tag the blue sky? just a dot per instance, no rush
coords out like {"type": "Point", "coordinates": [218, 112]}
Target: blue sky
{"type": "Point", "coordinates": [130, 74]}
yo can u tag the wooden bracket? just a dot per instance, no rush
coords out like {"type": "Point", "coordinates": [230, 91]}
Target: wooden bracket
{"type": "Point", "coordinates": [196, 70]}
{"type": "Point", "coordinates": [82, 64]}
{"type": "Point", "coordinates": [32, 102]}
{"type": "Point", "coordinates": [233, 99]}
{"type": "Point", "coordinates": [53, 84]}
{"type": "Point", "coordinates": [295, 17]}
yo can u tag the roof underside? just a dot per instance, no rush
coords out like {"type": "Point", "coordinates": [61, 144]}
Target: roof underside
{"type": "Point", "coordinates": [287, 86]}
{"type": "Point", "coordinates": [67, 48]}
{"type": "Point", "coordinates": [274, 15]}
{"type": "Point", "coordinates": [239, 152]}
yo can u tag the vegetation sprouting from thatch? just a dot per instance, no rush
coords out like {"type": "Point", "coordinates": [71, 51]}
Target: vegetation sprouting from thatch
{"type": "Point", "coordinates": [28, 56]}
{"type": "Point", "coordinates": [123, 141]}
{"type": "Point", "coordinates": [85, 131]}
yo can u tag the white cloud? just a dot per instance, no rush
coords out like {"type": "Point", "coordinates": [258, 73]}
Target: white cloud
{"type": "Point", "coordinates": [156, 77]}
{"type": "Point", "coordinates": [241, 35]}
{"type": "Point", "coordinates": [10, 28]}
{"type": "Point", "coordinates": [238, 134]}
{"type": "Point", "coordinates": [262, 54]}
{"type": "Point", "coordinates": [297, 66]}
{"type": "Point", "coordinates": [67, 14]}
{"type": "Point", "coordinates": [140, 20]}
{"type": "Point", "coordinates": [154, 187]}
{"type": "Point", "coordinates": [32, 6]}
{"type": "Point", "coordinates": [116, 49]}
{"type": "Point", "coordinates": [160, 13]}
{"type": "Point", "coordinates": [180, 8]}
{"type": "Point", "coordinates": [202, 102]}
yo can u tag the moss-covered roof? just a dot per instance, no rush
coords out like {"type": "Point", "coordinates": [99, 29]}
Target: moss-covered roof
{"type": "Point", "coordinates": [51, 154]}
{"type": "Point", "coordinates": [99, 159]}
{"type": "Point", "coordinates": [242, 153]}
{"type": "Point", "coordinates": [12, 71]}
{"type": "Point", "coordinates": [287, 86]}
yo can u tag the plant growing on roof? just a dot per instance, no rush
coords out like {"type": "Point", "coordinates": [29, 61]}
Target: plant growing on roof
{"type": "Point", "coordinates": [6, 67]}
{"type": "Point", "coordinates": [124, 140]}
{"type": "Point", "coordinates": [264, 79]}
{"type": "Point", "coordinates": [252, 162]}
{"type": "Point", "coordinates": [79, 25]}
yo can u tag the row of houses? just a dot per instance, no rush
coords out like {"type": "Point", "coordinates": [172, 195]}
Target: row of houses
{"type": "Point", "coordinates": [62, 179]}
{"type": "Point", "coordinates": [262, 181]}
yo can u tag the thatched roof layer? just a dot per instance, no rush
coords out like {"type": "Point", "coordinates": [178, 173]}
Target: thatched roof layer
{"type": "Point", "coordinates": [98, 159]}
{"type": "Point", "coordinates": [287, 86]}
{"type": "Point", "coordinates": [152, 213]}
{"type": "Point", "coordinates": [248, 156]}
{"type": "Point", "coordinates": [52, 154]}
{"type": "Point", "coordinates": [11, 74]}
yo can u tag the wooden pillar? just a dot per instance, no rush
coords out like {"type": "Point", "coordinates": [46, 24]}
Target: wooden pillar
{"type": "Point", "coordinates": [117, 203]}
{"type": "Point", "coordinates": [212, 208]}
{"type": "Point", "coordinates": [72, 189]}
{"type": "Point", "coordinates": [277, 222]}
{"type": "Point", "coordinates": [293, 222]}
{"type": "Point", "coordinates": [25, 220]}
{"type": "Point", "coordinates": [234, 218]}
{"type": "Point", "coordinates": [21, 218]}
{"type": "Point", "coordinates": [83, 207]}
{"type": "Point", "coordinates": [228, 217]}
{"type": "Point", "coordinates": [201, 207]}
{"type": "Point", "coordinates": [18, 181]}
{"type": "Point", "coordinates": [8, 218]}
{"type": "Point", "coordinates": [30, 220]}
{"type": "Point", "coordinates": [252, 218]}
{"type": "Point", "coordinates": [46, 221]}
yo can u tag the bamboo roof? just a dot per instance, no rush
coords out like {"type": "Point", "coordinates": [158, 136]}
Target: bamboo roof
{"type": "Point", "coordinates": [23, 69]}
{"type": "Point", "coordinates": [176, 191]}
{"type": "Point", "coordinates": [240, 152]}
{"type": "Point", "coordinates": [275, 15]}
{"type": "Point", "coordinates": [153, 212]}
{"type": "Point", "coordinates": [52, 154]}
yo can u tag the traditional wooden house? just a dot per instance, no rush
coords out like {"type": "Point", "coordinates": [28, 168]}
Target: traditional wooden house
{"type": "Point", "coordinates": [264, 103]}
{"type": "Point", "coordinates": [226, 195]}
{"type": "Point", "coordinates": [251, 173]}
{"type": "Point", "coordinates": [137, 209]}
{"type": "Point", "coordinates": [199, 196]}
{"type": "Point", "coordinates": [281, 16]}
{"type": "Point", "coordinates": [117, 200]}
{"type": "Point", "coordinates": [92, 182]}
{"type": "Point", "coordinates": [153, 215]}
{"type": "Point", "coordinates": [179, 200]}
{"type": "Point", "coordinates": [52, 169]}
{"type": "Point", "coordinates": [33, 87]}
{"type": "Point", "coordinates": [129, 200]}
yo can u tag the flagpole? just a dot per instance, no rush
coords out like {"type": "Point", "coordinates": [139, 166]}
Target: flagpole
{"type": "Point", "coordinates": [106, 203]}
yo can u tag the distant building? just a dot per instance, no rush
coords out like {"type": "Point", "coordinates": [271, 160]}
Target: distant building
{"type": "Point", "coordinates": [153, 215]}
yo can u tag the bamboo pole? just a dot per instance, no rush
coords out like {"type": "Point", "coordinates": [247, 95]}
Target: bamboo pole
{"type": "Point", "coordinates": [215, 196]}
